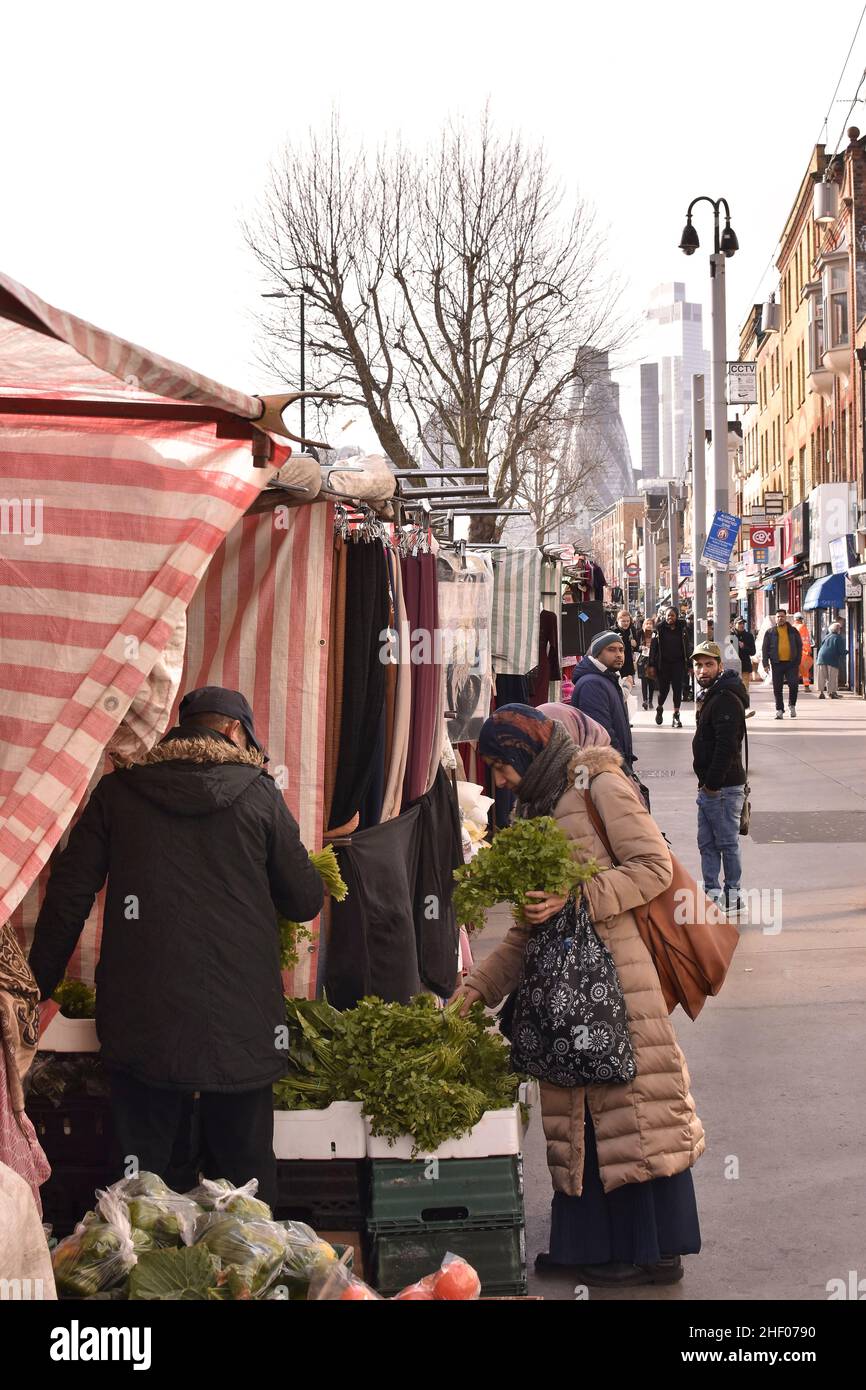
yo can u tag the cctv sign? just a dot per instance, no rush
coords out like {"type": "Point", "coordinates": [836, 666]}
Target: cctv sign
{"type": "Point", "coordinates": [742, 383]}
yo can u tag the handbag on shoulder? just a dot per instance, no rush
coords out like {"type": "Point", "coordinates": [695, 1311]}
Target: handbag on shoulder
{"type": "Point", "coordinates": [569, 1024]}
{"type": "Point", "coordinates": [689, 938]}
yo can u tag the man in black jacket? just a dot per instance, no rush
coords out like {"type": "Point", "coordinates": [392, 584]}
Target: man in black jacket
{"type": "Point", "coordinates": [782, 651]}
{"type": "Point", "coordinates": [669, 659]}
{"type": "Point", "coordinates": [200, 854]}
{"type": "Point", "coordinates": [718, 764]}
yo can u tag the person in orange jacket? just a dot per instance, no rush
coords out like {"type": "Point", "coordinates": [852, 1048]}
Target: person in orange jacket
{"type": "Point", "coordinates": [806, 658]}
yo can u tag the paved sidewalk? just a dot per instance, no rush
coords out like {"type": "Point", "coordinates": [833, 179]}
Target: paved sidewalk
{"type": "Point", "coordinates": [777, 1060]}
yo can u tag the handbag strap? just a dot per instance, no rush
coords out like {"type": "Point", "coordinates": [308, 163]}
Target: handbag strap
{"type": "Point", "coordinates": [597, 823]}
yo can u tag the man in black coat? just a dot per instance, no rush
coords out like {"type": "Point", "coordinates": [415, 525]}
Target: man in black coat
{"type": "Point", "coordinates": [746, 648]}
{"type": "Point", "coordinates": [669, 659]}
{"type": "Point", "coordinates": [200, 854]}
{"type": "Point", "coordinates": [718, 764]}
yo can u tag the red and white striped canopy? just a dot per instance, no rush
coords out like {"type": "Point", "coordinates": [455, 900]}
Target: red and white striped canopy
{"type": "Point", "coordinates": [106, 528]}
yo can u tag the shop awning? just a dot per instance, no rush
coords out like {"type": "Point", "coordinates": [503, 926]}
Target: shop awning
{"type": "Point", "coordinates": [828, 592]}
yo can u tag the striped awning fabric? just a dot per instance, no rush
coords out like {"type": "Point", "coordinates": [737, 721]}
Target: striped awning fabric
{"type": "Point", "coordinates": [106, 528]}
{"type": "Point", "coordinates": [516, 607]}
{"type": "Point", "coordinates": [106, 535]}
{"type": "Point", "coordinates": [46, 352]}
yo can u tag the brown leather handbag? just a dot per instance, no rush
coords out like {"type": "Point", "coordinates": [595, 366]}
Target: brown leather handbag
{"type": "Point", "coordinates": [689, 938]}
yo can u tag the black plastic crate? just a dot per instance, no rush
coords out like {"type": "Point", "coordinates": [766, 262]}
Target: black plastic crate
{"type": "Point", "coordinates": [329, 1194]}
{"type": "Point", "coordinates": [69, 1193]}
{"type": "Point", "coordinates": [497, 1253]}
{"type": "Point", "coordinates": [452, 1192]}
{"type": "Point", "coordinates": [77, 1133]}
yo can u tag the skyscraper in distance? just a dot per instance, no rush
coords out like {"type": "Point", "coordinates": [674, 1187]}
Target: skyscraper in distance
{"type": "Point", "coordinates": [676, 351]}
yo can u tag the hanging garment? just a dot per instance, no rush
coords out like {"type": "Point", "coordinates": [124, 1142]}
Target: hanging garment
{"type": "Point", "coordinates": [364, 676]}
{"type": "Point", "coordinates": [370, 811]}
{"type": "Point", "coordinates": [516, 600]}
{"type": "Point", "coordinates": [393, 565]}
{"type": "Point", "coordinates": [422, 609]}
{"type": "Point", "coordinates": [440, 751]}
{"type": "Point", "coordinates": [372, 947]}
{"type": "Point", "coordinates": [398, 748]}
{"type": "Point", "coordinates": [599, 583]}
{"type": "Point", "coordinates": [548, 658]}
{"type": "Point", "coordinates": [336, 646]}
{"type": "Point", "coordinates": [465, 611]}
{"type": "Point", "coordinates": [440, 852]}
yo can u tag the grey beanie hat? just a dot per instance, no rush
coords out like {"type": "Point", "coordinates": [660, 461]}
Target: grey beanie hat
{"type": "Point", "coordinates": [604, 639]}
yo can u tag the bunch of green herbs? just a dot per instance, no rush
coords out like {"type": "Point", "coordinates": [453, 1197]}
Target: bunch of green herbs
{"type": "Point", "coordinates": [530, 855]}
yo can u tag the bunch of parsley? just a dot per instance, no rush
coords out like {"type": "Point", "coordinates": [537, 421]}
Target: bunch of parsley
{"type": "Point", "coordinates": [424, 1071]}
{"type": "Point", "coordinates": [529, 855]}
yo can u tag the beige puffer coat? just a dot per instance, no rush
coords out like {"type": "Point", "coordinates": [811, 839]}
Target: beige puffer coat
{"type": "Point", "coordinates": [647, 1128]}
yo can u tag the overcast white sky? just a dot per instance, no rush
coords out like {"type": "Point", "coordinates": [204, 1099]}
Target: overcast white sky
{"type": "Point", "coordinates": [136, 136]}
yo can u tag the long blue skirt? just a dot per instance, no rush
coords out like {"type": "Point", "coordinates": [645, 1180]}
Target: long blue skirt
{"type": "Point", "coordinates": [639, 1223]}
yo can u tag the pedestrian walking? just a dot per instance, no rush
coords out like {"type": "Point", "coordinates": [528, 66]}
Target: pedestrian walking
{"type": "Point", "coordinates": [830, 663]}
{"type": "Point", "coordinates": [668, 664]}
{"type": "Point", "coordinates": [630, 642]}
{"type": "Point", "coordinates": [598, 692]}
{"type": "Point", "coordinates": [805, 678]}
{"type": "Point", "coordinates": [717, 753]}
{"type": "Point", "coordinates": [201, 855]}
{"type": "Point", "coordinates": [746, 648]}
{"type": "Point", "coordinates": [624, 1210]}
{"type": "Point", "coordinates": [781, 653]}
{"type": "Point", "coordinates": [647, 685]}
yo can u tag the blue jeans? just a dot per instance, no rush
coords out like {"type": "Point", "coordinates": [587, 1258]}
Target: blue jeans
{"type": "Point", "coordinates": [719, 840]}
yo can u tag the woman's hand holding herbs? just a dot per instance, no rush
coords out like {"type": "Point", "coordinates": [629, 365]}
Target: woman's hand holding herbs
{"type": "Point", "coordinates": [542, 906]}
{"type": "Point", "coordinates": [468, 996]}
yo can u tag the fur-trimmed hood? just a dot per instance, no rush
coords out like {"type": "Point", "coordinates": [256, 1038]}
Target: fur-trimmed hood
{"type": "Point", "coordinates": [595, 760]}
{"type": "Point", "coordinates": [195, 775]}
{"type": "Point", "coordinates": [203, 749]}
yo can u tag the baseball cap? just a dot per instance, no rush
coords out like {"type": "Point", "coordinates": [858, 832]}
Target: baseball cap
{"type": "Point", "coordinates": [708, 649]}
{"type": "Point", "coordinates": [215, 699]}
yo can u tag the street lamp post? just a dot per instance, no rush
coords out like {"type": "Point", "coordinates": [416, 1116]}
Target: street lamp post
{"type": "Point", "coordinates": [725, 244]}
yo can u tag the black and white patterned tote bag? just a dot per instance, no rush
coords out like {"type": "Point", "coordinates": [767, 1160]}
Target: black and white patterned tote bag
{"type": "Point", "coordinates": [570, 1025]}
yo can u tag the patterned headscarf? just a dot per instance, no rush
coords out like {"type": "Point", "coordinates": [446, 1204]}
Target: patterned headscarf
{"type": "Point", "coordinates": [515, 734]}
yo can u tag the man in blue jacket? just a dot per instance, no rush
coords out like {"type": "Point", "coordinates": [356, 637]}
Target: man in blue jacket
{"type": "Point", "coordinates": [598, 693]}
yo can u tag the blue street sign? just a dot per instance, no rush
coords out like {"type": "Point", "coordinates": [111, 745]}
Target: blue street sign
{"type": "Point", "coordinates": [720, 542]}
{"type": "Point", "coordinates": [685, 569]}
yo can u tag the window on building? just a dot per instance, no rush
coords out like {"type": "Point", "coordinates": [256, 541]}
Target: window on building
{"type": "Point", "coordinates": [801, 475]}
{"type": "Point", "coordinates": [816, 329]}
{"type": "Point", "coordinates": [835, 291]}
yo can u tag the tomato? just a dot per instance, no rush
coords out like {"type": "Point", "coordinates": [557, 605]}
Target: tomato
{"type": "Point", "coordinates": [415, 1293]}
{"type": "Point", "coordinates": [456, 1280]}
{"type": "Point", "coordinates": [356, 1292]}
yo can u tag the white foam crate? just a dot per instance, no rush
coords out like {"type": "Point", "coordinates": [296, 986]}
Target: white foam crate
{"type": "Point", "coordinates": [336, 1132]}
{"type": "Point", "coordinates": [69, 1035]}
{"type": "Point", "coordinates": [497, 1132]}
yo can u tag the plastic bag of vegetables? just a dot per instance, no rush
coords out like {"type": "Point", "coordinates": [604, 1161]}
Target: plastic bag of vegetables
{"type": "Point", "coordinates": [306, 1255]}
{"type": "Point", "coordinates": [166, 1217]}
{"type": "Point", "coordinates": [256, 1249]}
{"type": "Point", "coordinates": [219, 1195]}
{"type": "Point", "coordinates": [99, 1254]}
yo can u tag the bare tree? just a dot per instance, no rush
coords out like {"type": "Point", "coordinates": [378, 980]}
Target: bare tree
{"type": "Point", "coordinates": [451, 293]}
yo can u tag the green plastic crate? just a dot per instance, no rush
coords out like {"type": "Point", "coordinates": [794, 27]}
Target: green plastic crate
{"type": "Point", "coordinates": [498, 1253]}
{"type": "Point", "coordinates": [448, 1192]}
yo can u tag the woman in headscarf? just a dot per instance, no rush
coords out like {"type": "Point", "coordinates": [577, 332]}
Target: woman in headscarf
{"type": "Point", "coordinates": [620, 1156]}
